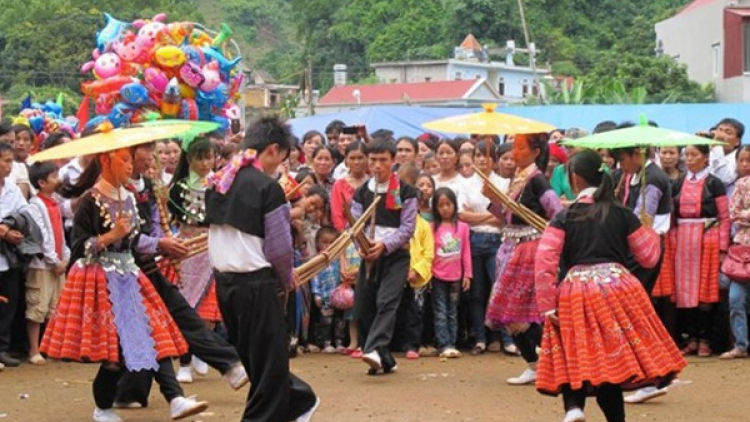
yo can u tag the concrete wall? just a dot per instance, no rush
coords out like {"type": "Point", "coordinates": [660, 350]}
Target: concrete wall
{"type": "Point", "coordinates": [412, 73]}
{"type": "Point", "coordinates": [734, 90]}
{"type": "Point", "coordinates": [690, 37]}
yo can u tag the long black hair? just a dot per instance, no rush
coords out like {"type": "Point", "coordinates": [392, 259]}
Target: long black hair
{"type": "Point", "coordinates": [587, 165]}
{"type": "Point", "coordinates": [200, 148]}
{"type": "Point", "coordinates": [448, 193]}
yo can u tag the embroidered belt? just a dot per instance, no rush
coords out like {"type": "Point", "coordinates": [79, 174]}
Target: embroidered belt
{"type": "Point", "coordinates": [520, 234]}
{"type": "Point", "coordinates": [597, 273]}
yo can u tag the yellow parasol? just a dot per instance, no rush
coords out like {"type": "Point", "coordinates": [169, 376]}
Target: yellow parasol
{"type": "Point", "coordinates": [113, 139]}
{"type": "Point", "coordinates": [488, 122]}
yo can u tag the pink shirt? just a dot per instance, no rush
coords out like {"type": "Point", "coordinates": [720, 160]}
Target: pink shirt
{"type": "Point", "coordinates": [452, 252]}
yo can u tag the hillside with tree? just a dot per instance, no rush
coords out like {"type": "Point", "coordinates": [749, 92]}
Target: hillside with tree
{"type": "Point", "coordinates": [601, 43]}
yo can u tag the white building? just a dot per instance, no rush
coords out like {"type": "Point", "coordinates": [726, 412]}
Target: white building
{"type": "Point", "coordinates": [711, 37]}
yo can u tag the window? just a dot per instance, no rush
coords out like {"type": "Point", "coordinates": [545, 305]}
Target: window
{"type": "Point", "coordinates": [524, 88]}
{"type": "Point", "coordinates": [457, 76]}
{"type": "Point", "coordinates": [427, 79]}
{"type": "Point", "coordinates": [535, 89]}
{"type": "Point", "coordinates": [715, 55]}
{"type": "Point", "coordinates": [501, 86]}
{"type": "Point", "coordinates": [746, 47]}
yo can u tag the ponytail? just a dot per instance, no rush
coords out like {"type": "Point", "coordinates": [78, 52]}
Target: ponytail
{"type": "Point", "coordinates": [588, 166]}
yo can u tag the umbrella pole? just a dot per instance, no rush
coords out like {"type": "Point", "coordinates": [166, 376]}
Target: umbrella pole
{"type": "Point", "coordinates": [645, 220]}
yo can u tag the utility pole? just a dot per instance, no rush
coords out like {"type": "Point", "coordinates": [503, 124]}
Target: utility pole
{"type": "Point", "coordinates": [310, 97]}
{"type": "Point", "coordinates": [532, 51]}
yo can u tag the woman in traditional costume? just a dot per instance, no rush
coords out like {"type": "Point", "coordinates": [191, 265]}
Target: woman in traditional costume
{"type": "Point", "coordinates": [601, 334]}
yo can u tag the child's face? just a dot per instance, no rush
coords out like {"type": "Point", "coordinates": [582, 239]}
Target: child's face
{"type": "Point", "coordinates": [446, 209]}
{"type": "Point", "coordinates": [50, 184]}
{"type": "Point", "coordinates": [23, 144]}
{"type": "Point", "coordinates": [313, 204]}
{"type": "Point", "coordinates": [325, 241]}
{"type": "Point", "coordinates": [431, 166]}
{"type": "Point", "coordinates": [306, 183]}
{"type": "Point", "coordinates": [743, 163]}
{"type": "Point", "coordinates": [424, 185]}
{"type": "Point", "coordinates": [294, 156]}
{"type": "Point", "coordinates": [6, 164]}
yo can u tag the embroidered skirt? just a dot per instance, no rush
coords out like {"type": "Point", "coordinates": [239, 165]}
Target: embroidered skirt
{"type": "Point", "coordinates": [664, 286]}
{"type": "Point", "coordinates": [696, 265]}
{"type": "Point", "coordinates": [195, 279]}
{"type": "Point", "coordinates": [608, 333]}
{"type": "Point", "coordinates": [513, 298]}
{"type": "Point", "coordinates": [109, 306]}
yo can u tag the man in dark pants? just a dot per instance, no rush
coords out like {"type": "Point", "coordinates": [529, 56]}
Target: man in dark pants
{"type": "Point", "coordinates": [382, 276]}
{"type": "Point", "coordinates": [11, 202]}
{"type": "Point", "coordinates": [134, 387]}
{"type": "Point", "coordinates": [250, 246]}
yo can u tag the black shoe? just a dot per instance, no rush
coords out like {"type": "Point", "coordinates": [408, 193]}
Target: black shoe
{"type": "Point", "coordinates": [7, 360]}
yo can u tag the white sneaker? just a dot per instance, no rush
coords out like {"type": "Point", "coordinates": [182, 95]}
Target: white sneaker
{"type": "Point", "coordinates": [307, 416]}
{"type": "Point", "coordinates": [2, 366]}
{"type": "Point", "coordinates": [108, 415]}
{"type": "Point", "coordinates": [645, 394]}
{"type": "Point", "coordinates": [574, 415]}
{"type": "Point", "coordinates": [126, 405]}
{"type": "Point", "coordinates": [329, 349]}
{"type": "Point", "coordinates": [201, 368]}
{"type": "Point", "coordinates": [185, 375]}
{"type": "Point", "coordinates": [511, 349]}
{"type": "Point", "coordinates": [373, 359]}
{"type": "Point", "coordinates": [527, 377]}
{"type": "Point", "coordinates": [182, 407]}
{"type": "Point", "coordinates": [237, 376]}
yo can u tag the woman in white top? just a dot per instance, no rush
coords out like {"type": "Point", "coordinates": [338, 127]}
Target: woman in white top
{"type": "Point", "coordinates": [485, 240]}
{"type": "Point", "coordinates": [449, 177]}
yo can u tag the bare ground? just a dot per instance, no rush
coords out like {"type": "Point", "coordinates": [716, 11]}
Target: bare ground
{"type": "Point", "coordinates": [470, 389]}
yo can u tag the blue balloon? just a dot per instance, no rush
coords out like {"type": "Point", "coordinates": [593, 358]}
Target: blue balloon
{"type": "Point", "coordinates": [134, 94]}
{"type": "Point", "coordinates": [111, 31]}
{"type": "Point", "coordinates": [225, 65]}
{"type": "Point", "coordinates": [96, 121]}
{"type": "Point", "coordinates": [222, 121]}
{"type": "Point", "coordinates": [193, 54]}
{"type": "Point", "coordinates": [52, 108]}
{"type": "Point", "coordinates": [216, 98]}
{"type": "Point", "coordinates": [37, 123]}
{"type": "Point", "coordinates": [120, 114]}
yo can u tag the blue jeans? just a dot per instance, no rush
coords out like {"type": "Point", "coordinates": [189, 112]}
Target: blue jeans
{"type": "Point", "coordinates": [484, 248]}
{"type": "Point", "coordinates": [445, 297]}
{"type": "Point", "coordinates": [738, 308]}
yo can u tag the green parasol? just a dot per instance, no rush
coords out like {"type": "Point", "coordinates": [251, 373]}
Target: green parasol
{"type": "Point", "coordinates": [641, 136]}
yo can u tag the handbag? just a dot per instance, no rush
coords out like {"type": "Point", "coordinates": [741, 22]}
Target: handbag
{"type": "Point", "coordinates": [736, 264]}
{"type": "Point", "coordinates": [342, 297]}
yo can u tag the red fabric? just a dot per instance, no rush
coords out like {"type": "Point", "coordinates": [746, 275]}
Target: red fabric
{"type": "Point", "coordinates": [645, 245]}
{"type": "Point", "coordinates": [546, 268]}
{"type": "Point", "coordinates": [83, 327]}
{"type": "Point", "coordinates": [393, 196]}
{"type": "Point", "coordinates": [608, 333]}
{"type": "Point", "coordinates": [558, 152]}
{"type": "Point", "coordinates": [169, 270]}
{"type": "Point", "coordinates": [664, 286]}
{"type": "Point", "coordinates": [513, 297]}
{"type": "Point", "coordinates": [341, 196]}
{"type": "Point", "coordinates": [55, 218]}
{"type": "Point", "coordinates": [83, 113]}
{"type": "Point", "coordinates": [208, 308]}
{"type": "Point", "coordinates": [696, 265]}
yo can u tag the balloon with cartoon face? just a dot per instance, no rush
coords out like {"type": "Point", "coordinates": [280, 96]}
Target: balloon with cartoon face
{"type": "Point", "coordinates": [120, 114]}
{"type": "Point", "coordinates": [129, 50]}
{"type": "Point", "coordinates": [192, 75]}
{"type": "Point", "coordinates": [111, 31]}
{"type": "Point", "coordinates": [212, 77]}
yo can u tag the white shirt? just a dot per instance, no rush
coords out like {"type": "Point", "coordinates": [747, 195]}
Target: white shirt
{"type": "Point", "coordinates": [11, 201]}
{"type": "Point", "coordinates": [459, 185]}
{"type": "Point", "coordinates": [340, 171]}
{"type": "Point", "coordinates": [723, 166]}
{"type": "Point", "coordinates": [246, 254]}
{"type": "Point", "coordinates": [19, 173]}
{"type": "Point", "coordinates": [475, 200]}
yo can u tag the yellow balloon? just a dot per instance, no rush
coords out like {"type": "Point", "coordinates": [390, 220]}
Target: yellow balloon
{"type": "Point", "coordinates": [186, 91]}
{"type": "Point", "coordinates": [170, 56]}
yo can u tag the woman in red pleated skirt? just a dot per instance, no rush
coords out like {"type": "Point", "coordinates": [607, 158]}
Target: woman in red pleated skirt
{"type": "Point", "coordinates": [601, 335]}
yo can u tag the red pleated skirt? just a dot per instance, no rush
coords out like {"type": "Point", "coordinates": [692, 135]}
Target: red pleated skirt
{"type": "Point", "coordinates": [83, 327]}
{"type": "Point", "coordinates": [664, 286]}
{"type": "Point", "coordinates": [696, 265]}
{"type": "Point", "coordinates": [513, 298]}
{"type": "Point", "coordinates": [608, 332]}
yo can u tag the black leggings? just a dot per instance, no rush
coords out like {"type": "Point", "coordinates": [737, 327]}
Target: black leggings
{"type": "Point", "coordinates": [105, 383]}
{"type": "Point", "coordinates": [527, 342]}
{"type": "Point", "coordinates": [697, 322]}
{"type": "Point", "coordinates": [608, 397]}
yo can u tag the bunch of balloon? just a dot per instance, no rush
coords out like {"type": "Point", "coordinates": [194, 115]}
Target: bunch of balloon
{"type": "Point", "coordinates": [45, 119]}
{"type": "Point", "coordinates": [151, 69]}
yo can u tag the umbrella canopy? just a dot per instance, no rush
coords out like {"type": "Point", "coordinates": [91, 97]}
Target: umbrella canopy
{"type": "Point", "coordinates": [641, 135]}
{"type": "Point", "coordinates": [488, 122]}
{"type": "Point", "coordinates": [114, 139]}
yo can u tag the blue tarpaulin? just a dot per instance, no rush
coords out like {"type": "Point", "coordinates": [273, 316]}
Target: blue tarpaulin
{"type": "Point", "coordinates": [407, 121]}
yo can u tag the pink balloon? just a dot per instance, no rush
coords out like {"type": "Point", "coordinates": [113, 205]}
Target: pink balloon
{"type": "Point", "coordinates": [156, 80]}
{"type": "Point", "coordinates": [108, 65]}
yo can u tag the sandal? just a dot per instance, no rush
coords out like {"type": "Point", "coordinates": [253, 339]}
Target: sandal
{"type": "Point", "coordinates": [691, 348]}
{"type": "Point", "coordinates": [356, 354]}
{"type": "Point", "coordinates": [704, 349]}
{"type": "Point", "coordinates": [734, 354]}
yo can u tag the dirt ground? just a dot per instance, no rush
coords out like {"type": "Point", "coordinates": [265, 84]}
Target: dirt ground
{"type": "Point", "coordinates": [470, 389]}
